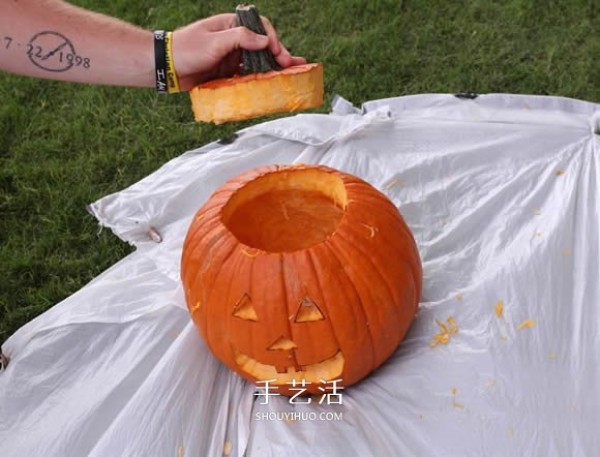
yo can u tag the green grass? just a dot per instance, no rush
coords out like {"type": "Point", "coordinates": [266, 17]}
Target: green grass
{"type": "Point", "coordinates": [63, 146]}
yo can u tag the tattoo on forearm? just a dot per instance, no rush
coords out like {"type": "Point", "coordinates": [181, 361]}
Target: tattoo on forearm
{"type": "Point", "coordinates": [50, 51]}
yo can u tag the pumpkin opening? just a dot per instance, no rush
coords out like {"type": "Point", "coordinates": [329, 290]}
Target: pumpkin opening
{"type": "Point", "coordinates": [286, 210]}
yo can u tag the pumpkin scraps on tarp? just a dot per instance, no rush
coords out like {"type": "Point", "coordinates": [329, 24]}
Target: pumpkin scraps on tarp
{"type": "Point", "coordinates": [300, 275]}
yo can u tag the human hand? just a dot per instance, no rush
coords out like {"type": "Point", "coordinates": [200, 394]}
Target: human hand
{"type": "Point", "coordinates": [211, 48]}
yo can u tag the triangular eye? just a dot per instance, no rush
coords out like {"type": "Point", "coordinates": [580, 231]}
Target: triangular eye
{"type": "Point", "coordinates": [308, 311]}
{"type": "Point", "coordinates": [244, 309]}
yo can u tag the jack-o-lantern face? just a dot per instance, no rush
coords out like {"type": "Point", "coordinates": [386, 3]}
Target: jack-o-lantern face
{"type": "Point", "coordinates": [283, 360]}
{"type": "Point", "coordinates": [301, 273]}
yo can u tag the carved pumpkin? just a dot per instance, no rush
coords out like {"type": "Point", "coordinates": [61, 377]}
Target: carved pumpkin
{"type": "Point", "coordinates": [301, 273]}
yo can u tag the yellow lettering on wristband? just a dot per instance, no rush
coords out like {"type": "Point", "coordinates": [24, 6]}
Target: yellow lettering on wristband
{"type": "Point", "coordinates": [172, 78]}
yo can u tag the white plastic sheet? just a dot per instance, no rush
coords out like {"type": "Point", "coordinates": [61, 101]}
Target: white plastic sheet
{"type": "Point", "coordinates": [502, 195]}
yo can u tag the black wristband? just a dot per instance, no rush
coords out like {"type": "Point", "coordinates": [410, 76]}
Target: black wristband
{"type": "Point", "coordinates": [160, 61]}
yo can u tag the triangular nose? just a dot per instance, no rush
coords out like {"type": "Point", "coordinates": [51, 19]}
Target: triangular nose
{"type": "Point", "coordinates": [282, 344]}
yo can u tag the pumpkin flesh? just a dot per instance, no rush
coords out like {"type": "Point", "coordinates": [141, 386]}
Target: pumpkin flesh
{"type": "Point", "coordinates": [275, 215]}
{"type": "Point", "coordinates": [258, 94]}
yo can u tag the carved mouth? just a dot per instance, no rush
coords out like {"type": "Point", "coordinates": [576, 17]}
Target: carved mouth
{"type": "Point", "coordinates": [328, 369]}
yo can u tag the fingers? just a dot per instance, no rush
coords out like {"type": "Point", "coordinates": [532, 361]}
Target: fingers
{"type": "Point", "coordinates": [285, 59]}
{"type": "Point", "coordinates": [296, 60]}
{"type": "Point", "coordinates": [244, 38]}
{"type": "Point", "coordinates": [240, 38]}
{"type": "Point", "coordinates": [274, 45]}
{"type": "Point", "coordinates": [281, 54]}
{"type": "Point", "coordinates": [219, 22]}
{"type": "Point", "coordinates": [210, 47]}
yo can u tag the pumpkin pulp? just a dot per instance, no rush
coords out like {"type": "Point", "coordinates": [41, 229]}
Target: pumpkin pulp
{"type": "Point", "coordinates": [288, 211]}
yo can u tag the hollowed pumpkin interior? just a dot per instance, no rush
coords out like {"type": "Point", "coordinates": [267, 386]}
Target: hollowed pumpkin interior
{"type": "Point", "coordinates": [286, 210]}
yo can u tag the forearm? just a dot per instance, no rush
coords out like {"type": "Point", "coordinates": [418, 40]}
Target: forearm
{"type": "Point", "coordinates": [53, 39]}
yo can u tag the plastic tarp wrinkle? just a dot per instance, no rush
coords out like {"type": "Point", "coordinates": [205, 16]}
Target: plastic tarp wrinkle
{"type": "Point", "coordinates": [502, 195]}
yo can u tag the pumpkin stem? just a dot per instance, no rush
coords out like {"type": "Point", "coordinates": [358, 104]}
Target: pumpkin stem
{"type": "Point", "coordinates": [254, 61]}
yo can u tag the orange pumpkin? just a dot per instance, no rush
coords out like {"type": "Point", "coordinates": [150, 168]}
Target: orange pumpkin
{"type": "Point", "coordinates": [257, 94]}
{"type": "Point", "coordinates": [301, 274]}
{"type": "Point", "coordinates": [263, 87]}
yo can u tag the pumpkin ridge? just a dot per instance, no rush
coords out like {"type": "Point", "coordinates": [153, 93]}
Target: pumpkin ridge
{"type": "Point", "coordinates": [315, 277]}
{"type": "Point", "coordinates": [228, 300]}
{"type": "Point", "coordinates": [353, 229]}
{"type": "Point", "coordinates": [349, 228]}
{"type": "Point", "coordinates": [192, 241]}
{"type": "Point", "coordinates": [253, 341]}
{"type": "Point", "coordinates": [350, 245]}
{"type": "Point", "coordinates": [378, 197]}
{"type": "Point", "coordinates": [355, 232]}
{"type": "Point", "coordinates": [361, 305]}
{"type": "Point", "coordinates": [285, 295]}
{"type": "Point", "coordinates": [190, 244]}
{"type": "Point", "coordinates": [413, 258]}
{"type": "Point", "coordinates": [392, 298]}
{"type": "Point", "coordinates": [205, 314]}
{"type": "Point", "coordinates": [190, 253]}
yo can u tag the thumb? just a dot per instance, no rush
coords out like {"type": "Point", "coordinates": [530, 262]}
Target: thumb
{"type": "Point", "coordinates": [240, 38]}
